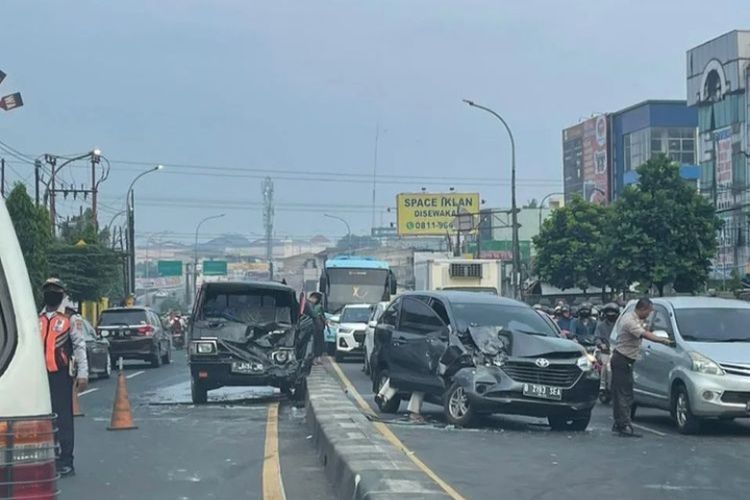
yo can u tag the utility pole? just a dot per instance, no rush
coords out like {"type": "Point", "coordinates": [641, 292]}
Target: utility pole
{"type": "Point", "coordinates": [375, 174]}
{"type": "Point", "coordinates": [268, 212]}
{"type": "Point", "coordinates": [2, 177]}
{"type": "Point", "coordinates": [37, 173]}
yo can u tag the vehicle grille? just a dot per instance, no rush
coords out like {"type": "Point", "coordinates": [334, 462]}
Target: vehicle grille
{"type": "Point", "coordinates": [359, 336]}
{"type": "Point", "coordinates": [558, 375]}
{"type": "Point", "coordinates": [736, 369]}
{"type": "Point", "coordinates": [735, 397]}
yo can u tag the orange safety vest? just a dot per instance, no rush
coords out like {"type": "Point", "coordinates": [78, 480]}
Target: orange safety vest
{"type": "Point", "coordinates": [56, 340]}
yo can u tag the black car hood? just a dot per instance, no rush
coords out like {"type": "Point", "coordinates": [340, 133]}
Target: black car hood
{"type": "Point", "coordinates": [524, 345]}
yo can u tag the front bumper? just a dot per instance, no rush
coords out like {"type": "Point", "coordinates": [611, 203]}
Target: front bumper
{"type": "Point", "coordinates": [718, 395]}
{"type": "Point", "coordinates": [490, 390]}
{"type": "Point", "coordinates": [218, 373]}
{"type": "Point", "coordinates": [350, 342]}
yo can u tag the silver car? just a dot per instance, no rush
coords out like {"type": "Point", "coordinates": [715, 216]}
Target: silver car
{"type": "Point", "coordinates": [377, 312]}
{"type": "Point", "coordinates": [706, 372]}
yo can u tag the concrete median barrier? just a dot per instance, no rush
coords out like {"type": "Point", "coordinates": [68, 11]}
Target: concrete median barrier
{"type": "Point", "coordinates": [358, 460]}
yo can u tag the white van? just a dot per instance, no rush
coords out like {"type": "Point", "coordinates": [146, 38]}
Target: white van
{"type": "Point", "coordinates": [27, 444]}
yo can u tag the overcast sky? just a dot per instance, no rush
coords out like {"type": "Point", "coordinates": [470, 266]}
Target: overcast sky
{"type": "Point", "coordinates": [226, 92]}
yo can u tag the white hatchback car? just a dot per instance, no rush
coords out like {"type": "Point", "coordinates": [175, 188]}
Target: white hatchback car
{"type": "Point", "coordinates": [27, 444]}
{"type": "Point", "coordinates": [350, 335]}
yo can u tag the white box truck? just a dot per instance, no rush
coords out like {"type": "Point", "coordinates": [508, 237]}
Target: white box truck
{"type": "Point", "coordinates": [475, 275]}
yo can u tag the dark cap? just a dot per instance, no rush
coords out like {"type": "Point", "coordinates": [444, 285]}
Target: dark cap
{"type": "Point", "coordinates": [54, 284]}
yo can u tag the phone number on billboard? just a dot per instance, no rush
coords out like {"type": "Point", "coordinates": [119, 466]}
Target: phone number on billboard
{"type": "Point", "coordinates": [431, 225]}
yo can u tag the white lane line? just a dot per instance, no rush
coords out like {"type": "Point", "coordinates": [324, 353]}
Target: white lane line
{"type": "Point", "coordinates": [135, 374]}
{"type": "Point", "coordinates": [88, 391]}
{"type": "Point", "coordinates": [648, 429]}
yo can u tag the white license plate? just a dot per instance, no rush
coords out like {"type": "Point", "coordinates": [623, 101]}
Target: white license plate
{"type": "Point", "coordinates": [244, 367]}
{"type": "Point", "coordinates": [542, 391]}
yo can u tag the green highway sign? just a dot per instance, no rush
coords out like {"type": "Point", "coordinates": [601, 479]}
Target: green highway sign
{"type": "Point", "coordinates": [214, 268]}
{"type": "Point", "coordinates": [169, 268]}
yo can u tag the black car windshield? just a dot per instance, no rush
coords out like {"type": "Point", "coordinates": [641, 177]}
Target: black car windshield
{"type": "Point", "coordinates": [515, 318]}
{"type": "Point", "coordinates": [251, 306]}
{"type": "Point", "coordinates": [714, 324]}
{"type": "Point", "coordinates": [355, 315]}
{"type": "Point", "coordinates": [120, 317]}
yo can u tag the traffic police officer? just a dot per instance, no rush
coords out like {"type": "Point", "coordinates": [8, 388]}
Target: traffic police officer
{"type": "Point", "coordinates": [65, 357]}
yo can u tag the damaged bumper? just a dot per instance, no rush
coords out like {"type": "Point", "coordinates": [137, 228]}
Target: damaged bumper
{"type": "Point", "coordinates": [236, 372]}
{"type": "Point", "coordinates": [492, 390]}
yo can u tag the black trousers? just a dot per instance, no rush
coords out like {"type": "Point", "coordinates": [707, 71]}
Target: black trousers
{"type": "Point", "coordinates": [61, 390]}
{"type": "Point", "coordinates": [622, 388]}
{"type": "Point", "coordinates": [318, 342]}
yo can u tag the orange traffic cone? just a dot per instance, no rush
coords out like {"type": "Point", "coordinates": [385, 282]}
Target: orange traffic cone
{"type": "Point", "coordinates": [77, 412]}
{"type": "Point", "coordinates": [122, 418]}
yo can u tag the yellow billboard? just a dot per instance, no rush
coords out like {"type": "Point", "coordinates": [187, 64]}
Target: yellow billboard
{"type": "Point", "coordinates": [425, 214]}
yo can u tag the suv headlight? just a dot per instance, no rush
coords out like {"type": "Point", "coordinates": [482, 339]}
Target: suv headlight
{"type": "Point", "coordinates": [584, 363]}
{"type": "Point", "coordinates": [283, 356]}
{"type": "Point", "coordinates": [702, 364]}
{"type": "Point", "coordinates": [203, 347]}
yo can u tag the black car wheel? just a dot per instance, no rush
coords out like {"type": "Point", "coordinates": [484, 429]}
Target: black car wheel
{"type": "Point", "coordinates": [457, 407]}
{"type": "Point", "coordinates": [577, 422]}
{"type": "Point", "coordinates": [687, 423]}
{"type": "Point", "coordinates": [156, 357]}
{"type": "Point", "coordinates": [198, 392]}
{"type": "Point", "coordinates": [392, 405]}
{"type": "Point", "coordinates": [167, 357]}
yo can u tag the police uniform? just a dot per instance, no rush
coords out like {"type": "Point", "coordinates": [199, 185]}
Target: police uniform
{"type": "Point", "coordinates": [63, 339]}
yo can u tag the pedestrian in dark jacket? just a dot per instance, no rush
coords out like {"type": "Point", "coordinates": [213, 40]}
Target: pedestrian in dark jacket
{"type": "Point", "coordinates": [319, 317]}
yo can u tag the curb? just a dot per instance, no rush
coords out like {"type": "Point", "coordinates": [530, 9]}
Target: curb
{"type": "Point", "coordinates": [358, 461]}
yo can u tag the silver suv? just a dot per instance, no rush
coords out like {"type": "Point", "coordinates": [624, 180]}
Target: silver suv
{"type": "Point", "coordinates": [706, 372]}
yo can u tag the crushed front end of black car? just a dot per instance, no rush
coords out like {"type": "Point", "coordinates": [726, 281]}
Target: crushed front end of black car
{"type": "Point", "coordinates": [243, 350]}
{"type": "Point", "coordinates": [519, 373]}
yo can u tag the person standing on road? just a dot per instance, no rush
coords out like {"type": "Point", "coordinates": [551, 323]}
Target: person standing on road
{"type": "Point", "coordinates": [319, 317]}
{"type": "Point", "coordinates": [65, 357]}
{"type": "Point", "coordinates": [627, 349]}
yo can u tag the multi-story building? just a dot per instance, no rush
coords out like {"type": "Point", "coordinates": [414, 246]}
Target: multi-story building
{"type": "Point", "coordinates": [718, 76]}
{"type": "Point", "coordinates": [647, 129]}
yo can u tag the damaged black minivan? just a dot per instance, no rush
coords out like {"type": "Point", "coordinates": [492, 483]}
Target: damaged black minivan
{"type": "Point", "coordinates": [479, 354]}
{"type": "Point", "coordinates": [248, 334]}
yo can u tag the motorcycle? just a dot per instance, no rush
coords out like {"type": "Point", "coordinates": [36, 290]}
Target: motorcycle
{"type": "Point", "coordinates": [602, 355]}
{"type": "Point", "coordinates": [178, 334]}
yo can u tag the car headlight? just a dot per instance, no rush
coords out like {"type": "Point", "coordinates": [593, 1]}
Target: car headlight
{"type": "Point", "coordinates": [203, 347]}
{"type": "Point", "coordinates": [283, 356]}
{"type": "Point", "coordinates": [585, 363]}
{"type": "Point", "coordinates": [702, 364]}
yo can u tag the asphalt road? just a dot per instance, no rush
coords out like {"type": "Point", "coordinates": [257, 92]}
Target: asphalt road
{"type": "Point", "coordinates": [180, 451]}
{"type": "Point", "coordinates": [521, 458]}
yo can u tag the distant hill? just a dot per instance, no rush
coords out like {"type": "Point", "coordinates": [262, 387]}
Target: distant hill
{"type": "Point", "coordinates": [222, 242]}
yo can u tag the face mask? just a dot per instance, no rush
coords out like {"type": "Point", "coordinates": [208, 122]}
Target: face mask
{"type": "Point", "coordinates": [52, 299]}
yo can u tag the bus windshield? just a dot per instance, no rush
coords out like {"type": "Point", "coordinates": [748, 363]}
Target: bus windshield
{"type": "Point", "coordinates": [355, 286]}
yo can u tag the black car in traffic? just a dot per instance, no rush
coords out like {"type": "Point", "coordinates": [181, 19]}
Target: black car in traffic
{"type": "Point", "coordinates": [480, 354]}
{"type": "Point", "coordinates": [135, 333]}
{"type": "Point", "coordinates": [248, 334]}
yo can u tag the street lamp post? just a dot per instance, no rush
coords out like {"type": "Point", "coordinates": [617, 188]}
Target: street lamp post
{"type": "Point", "coordinates": [348, 230]}
{"type": "Point", "coordinates": [131, 226]}
{"type": "Point", "coordinates": [195, 248]}
{"type": "Point", "coordinates": [541, 206]}
{"type": "Point", "coordinates": [514, 210]}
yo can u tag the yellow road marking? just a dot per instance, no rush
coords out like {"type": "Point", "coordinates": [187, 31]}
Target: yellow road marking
{"type": "Point", "coordinates": [391, 437]}
{"type": "Point", "coordinates": [273, 487]}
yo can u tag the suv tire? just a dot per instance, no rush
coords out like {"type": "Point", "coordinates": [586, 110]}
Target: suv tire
{"type": "Point", "coordinates": [156, 357]}
{"type": "Point", "coordinates": [457, 408]}
{"type": "Point", "coordinates": [198, 392]}
{"type": "Point", "coordinates": [687, 423]}
{"type": "Point", "coordinates": [577, 422]}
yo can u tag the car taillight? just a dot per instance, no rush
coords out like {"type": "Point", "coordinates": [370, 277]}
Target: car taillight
{"type": "Point", "coordinates": [27, 459]}
{"type": "Point", "coordinates": [146, 330]}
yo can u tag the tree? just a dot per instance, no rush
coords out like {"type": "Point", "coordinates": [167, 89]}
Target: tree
{"type": "Point", "coordinates": [89, 271]}
{"type": "Point", "coordinates": [532, 203]}
{"type": "Point", "coordinates": [569, 252]}
{"type": "Point", "coordinates": [32, 225]}
{"type": "Point", "coordinates": [357, 241]}
{"type": "Point", "coordinates": [665, 231]}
